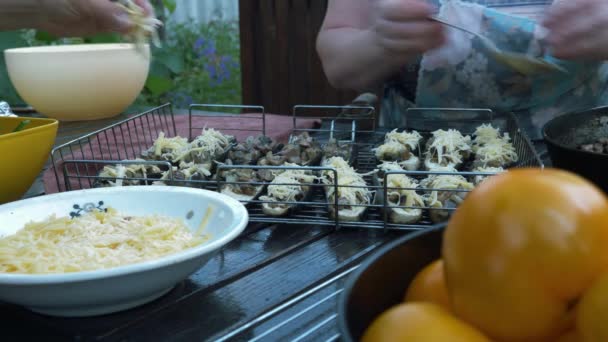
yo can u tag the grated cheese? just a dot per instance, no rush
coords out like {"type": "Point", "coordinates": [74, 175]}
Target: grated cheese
{"type": "Point", "coordinates": [436, 183]}
{"type": "Point", "coordinates": [409, 139]}
{"type": "Point", "coordinates": [145, 26]}
{"type": "Point", "coordinates": [484, 134]}
{"type": "Point", "coordinates": [352, 188]}
{"type": "Point", "coordinates": [447, 148]}
{"type": "Point", "coordinates": [391, 150]}
{"type": "Point", "coordinates": [96, 240]}
{"type": "Point", "coordinates": [478, 179]}
{"type": "Point", "coordinates": [288, 185]}
{"type": "Point", "coordinates": [496, 153]}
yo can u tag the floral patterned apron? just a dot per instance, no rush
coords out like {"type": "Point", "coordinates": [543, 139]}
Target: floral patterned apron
{"type": "Point", "coordinates": [462, 74]}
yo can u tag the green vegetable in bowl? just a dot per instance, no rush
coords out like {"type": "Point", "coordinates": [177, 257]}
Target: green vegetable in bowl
{"type": "Point", "coordinates": [21, 125]}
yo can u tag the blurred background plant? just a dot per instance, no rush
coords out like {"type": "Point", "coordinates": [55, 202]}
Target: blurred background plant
{"type": "Point", "coordinates": [197, 62]}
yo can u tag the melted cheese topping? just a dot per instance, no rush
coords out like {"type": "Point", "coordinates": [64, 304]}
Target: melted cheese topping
{"type": "Point", "coordinates": [96, 240]}
{"type": "Point", "coordinates": [409, 139]}
{"type": "Point", "coordinates": [448, 147]}
{"type": "Point", "coordinates": [173, 145]}
{"type": "Point", "coordinates": [352, 189]}
{"type": "Point", "coordinates": [390, 150]}
{"type": "Point", "coordinates": [437, 198]}
{"type": "Point", "coordinates": [498, 152]}
{"type": "Point", "coordinates": [288, 184]}
{"type": "Point", "coordinates": [485, 133]}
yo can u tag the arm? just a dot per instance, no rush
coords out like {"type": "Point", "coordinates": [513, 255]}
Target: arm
{"type": "Point", "coordinates": [363, 42]}
{"type": "Point", "coordinates": [67, 17]}
{"type": "Point", "coordinates": [17, 14]}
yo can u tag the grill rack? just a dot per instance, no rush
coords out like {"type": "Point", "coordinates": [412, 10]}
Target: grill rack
{"type": "Point", "coordinates": [81, 159]}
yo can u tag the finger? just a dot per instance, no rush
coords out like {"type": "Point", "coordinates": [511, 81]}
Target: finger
{"type": "Point", "coordinates": [399, 10]}
{"type": "Point", "coordinates": [583, 49]}
{"type": "Point", "coordinates": [109, 17]}
{"type": "Point", "coordinates": [410, 29]}
{"type": "Point", "coordinates": [570, 31]}
{"type": "Point", "coordinates": [412, 46]}
{"type": "Point", "coordinates": [146, 6]}
{"type": "Point", "coordinates": [564, 11]}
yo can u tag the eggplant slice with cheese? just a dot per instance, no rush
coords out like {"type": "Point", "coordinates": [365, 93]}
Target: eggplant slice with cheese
{"type": "Point", "coordinates": [447, 149]}
{"type": "Point", "coordinates": [444, 191]}
{"type": "Point", "coordinates": [127, 174]}
{"type": "Point", "coordinates": [244, 185]}
{"type": "Point", "coordinates": [400, 147]}
{"type": "Point", "coordinates": [288, 187]}
{"type": "Point", "coordinates": [353, 194]}
{"type": "Point", "coordinates": [403, 202]}
{"type": "Point", "coordinates": [480, 178]}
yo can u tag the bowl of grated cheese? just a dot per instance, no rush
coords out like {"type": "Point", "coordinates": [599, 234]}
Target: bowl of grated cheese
{"type": "Point", "coordinates": [99, 251]}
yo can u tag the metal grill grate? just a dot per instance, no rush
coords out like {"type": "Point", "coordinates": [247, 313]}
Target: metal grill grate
{"type": "Point", "coordinates": [77, 163]}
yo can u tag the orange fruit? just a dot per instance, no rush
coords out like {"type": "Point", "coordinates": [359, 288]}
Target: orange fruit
{"type": "Point", "coordinates": [593, 312]}
{"type": "Point", "coordinates": [571, 336]}
{"type": "Point", "coordinates": [521, 249]}
{"type": "Point", "coordinates": [429, 286]}
{"type": "Point", "coordinates": [420, 322]}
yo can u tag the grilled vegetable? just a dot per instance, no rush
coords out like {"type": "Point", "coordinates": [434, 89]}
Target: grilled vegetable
{"type": "Point", "coordinates": [444, 194]}
{"type": "Point", "coordinates": [287, 186]}
{"type": "Point", "coordinates": [353, 192]}
{"type": "Point", "coordinates": [447, 149]}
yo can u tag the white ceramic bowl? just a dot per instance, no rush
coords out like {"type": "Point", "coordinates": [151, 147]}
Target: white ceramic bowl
{"type": "Point", "coordinates": [78, 82]}
{"type": "Point", "coordinates": [105, 291]}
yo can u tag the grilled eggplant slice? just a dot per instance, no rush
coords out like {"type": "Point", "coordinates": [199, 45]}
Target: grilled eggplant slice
{"type": "Point", "coordinates": [447, 149]}
{"type": "Point", "coordinates": [288, 186]}
{"type": "Point", "coordinates": [353, 193]}
{"type": "Point", "coordinates": [438, 199]}
{"type": "Point", "coordinates": [333, 148]}
{"type": "Point", "coordinates": [400, 193]}
{"type": "Point", "coordinates": [400, 147]}
{"type": "Point", "coordinates": [245, 192]}
{"type": "Point", "coordinates": [127, 174]}
{"type": "Point", "coordinates": [478, 179]}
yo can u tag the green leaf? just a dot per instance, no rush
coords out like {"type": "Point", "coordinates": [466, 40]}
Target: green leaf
{"type": "Point", "coordinates": [159, 69]}
{"type": "Point", "coordinates": [173, 61]}
{"type": "Point", "coordinates": [9, 39]}
{"type": "Point", "coordinates": [46, 37]}
{"type": "Point", "coordinates": [158, 85]}
{"type": "Point", "coordinates": [170, 5]}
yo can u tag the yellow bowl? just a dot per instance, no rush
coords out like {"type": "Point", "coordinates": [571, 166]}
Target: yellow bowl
{"type": "Point", "coordinates": [79, 82]}
{"type": "Point", "coordinates": [23, 154]}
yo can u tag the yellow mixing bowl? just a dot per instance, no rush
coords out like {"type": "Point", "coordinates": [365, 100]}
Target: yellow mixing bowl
{"type": "Point", "coordinates": [23, 154]}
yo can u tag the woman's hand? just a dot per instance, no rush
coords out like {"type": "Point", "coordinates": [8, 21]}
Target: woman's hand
{"type": "Point", "coordinates": [578, 29]}
{"type": "Point", "coordinates": [70, 18]}
{"type": "Point", "coordinates": [403, 29]}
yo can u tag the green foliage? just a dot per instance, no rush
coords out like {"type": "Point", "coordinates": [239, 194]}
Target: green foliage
{"type": "Point", "coordinates": [9, 39]}
{"type": "Point", "coordinates": [197, 64]}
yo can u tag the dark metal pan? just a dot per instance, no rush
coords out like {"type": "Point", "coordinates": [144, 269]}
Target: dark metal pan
{"type": "Point", "coordinates": [564, 134]}
{"type": "Point", "coordinates": [382, 280]}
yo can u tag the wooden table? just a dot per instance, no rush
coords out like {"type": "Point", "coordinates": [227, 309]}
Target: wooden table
{"type": "Point", "coordinates": [273, 283]}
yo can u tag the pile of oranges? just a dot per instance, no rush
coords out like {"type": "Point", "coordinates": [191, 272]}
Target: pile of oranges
{"type": "Point", "coordinates": [524, 258]}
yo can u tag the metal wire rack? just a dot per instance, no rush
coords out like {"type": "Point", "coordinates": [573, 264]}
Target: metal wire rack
{"type": "Point", "coordinates": [77, 164]}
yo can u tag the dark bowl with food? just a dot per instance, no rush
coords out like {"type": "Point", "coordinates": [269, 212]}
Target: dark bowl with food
{"type": "Point", "coordinates": [578, 142]}
{"type": "Point", "coordinates": [382, 280]}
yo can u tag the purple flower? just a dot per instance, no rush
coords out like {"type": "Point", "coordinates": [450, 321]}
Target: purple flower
{"type": "Point", "coordinates": [204, 48]}
{"type": "Point", "coordinates": [200, 42]}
